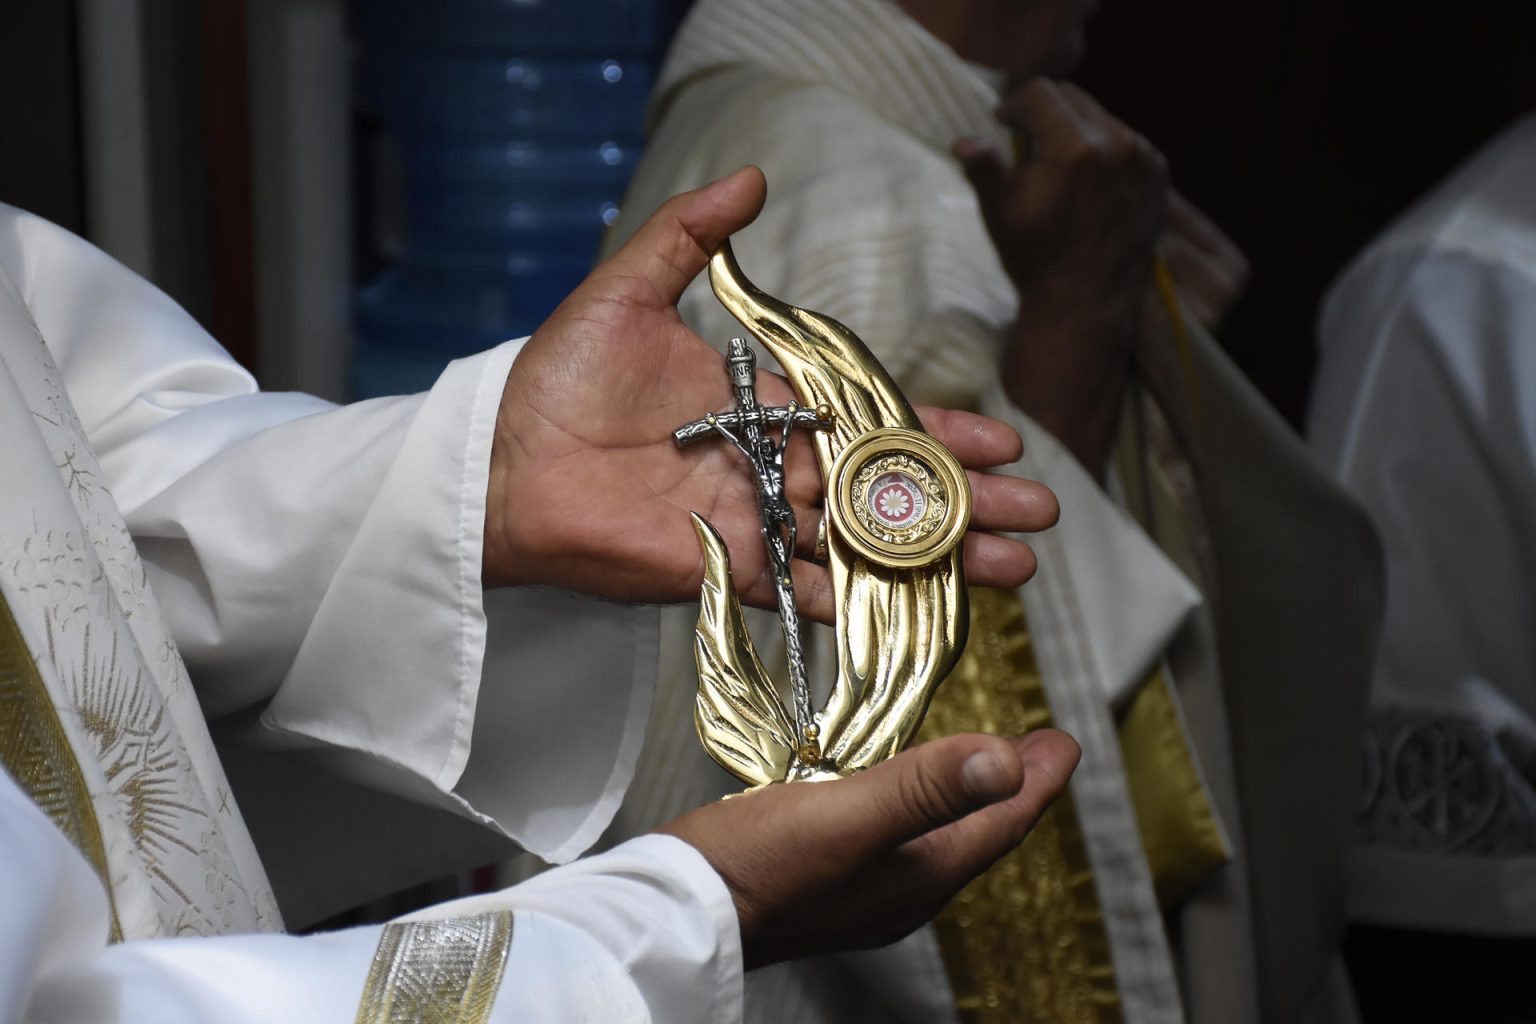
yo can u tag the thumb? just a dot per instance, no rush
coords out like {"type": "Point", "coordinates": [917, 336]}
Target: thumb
{"type": "Point", "coordinates": [677, 241]}
{"type": "Point", "coordinates": [959, 852]}
{"type": "Point", "coordinates": [924, 789]}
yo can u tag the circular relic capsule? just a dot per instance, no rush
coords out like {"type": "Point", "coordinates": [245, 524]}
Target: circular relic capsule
{"type": "Point", "coordinates": [899, 498]}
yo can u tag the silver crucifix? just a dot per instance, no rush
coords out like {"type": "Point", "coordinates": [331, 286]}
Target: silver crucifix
{"type": "Point", "coordinates": [747, 427]}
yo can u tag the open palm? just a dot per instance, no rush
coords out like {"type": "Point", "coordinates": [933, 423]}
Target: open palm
{"type": "Point", "coordinates": [588, 490]}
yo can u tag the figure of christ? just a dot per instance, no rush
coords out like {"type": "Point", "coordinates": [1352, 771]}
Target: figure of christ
{"type": "Point", "coordinates": [745, 428]}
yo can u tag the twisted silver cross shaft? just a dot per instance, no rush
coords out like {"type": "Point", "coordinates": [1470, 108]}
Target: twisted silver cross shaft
{"type": "Point", "coordinates": [747, 427]}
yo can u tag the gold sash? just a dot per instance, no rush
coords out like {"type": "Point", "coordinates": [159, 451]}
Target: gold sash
{"type": "Point", "coordinates": [1025, 942]}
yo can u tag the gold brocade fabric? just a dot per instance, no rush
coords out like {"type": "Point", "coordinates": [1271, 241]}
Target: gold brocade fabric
{"type": "Point", "coordinates": [36, 753]}
{"type": "Point", "coordinates": [1179, 831]}
{"type": "Point", "coordinates": [1025, 942]}
{"type": "Point", "coordinates": [437, 972]}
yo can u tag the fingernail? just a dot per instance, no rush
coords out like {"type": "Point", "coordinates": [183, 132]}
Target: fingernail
{"type": "Point", "coordinates": [985, 777]}
{"type": "Point", "coordinates": [728, 177]}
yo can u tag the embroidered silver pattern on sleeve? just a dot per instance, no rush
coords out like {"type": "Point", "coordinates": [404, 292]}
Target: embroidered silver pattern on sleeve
{"type": "Point", "coordinates": [437, 972]}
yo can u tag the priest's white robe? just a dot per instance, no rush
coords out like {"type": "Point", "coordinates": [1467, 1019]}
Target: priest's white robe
{"type": "Point", "coordinates": [319, 569]}
{"type": "Point", "coordinates": [850, 108]}
{"type": "Point", "coordinates": [1425, 406]}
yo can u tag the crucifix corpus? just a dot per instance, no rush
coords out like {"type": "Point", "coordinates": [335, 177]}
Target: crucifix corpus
{"type": "Point", "coordinates": [747, 427]}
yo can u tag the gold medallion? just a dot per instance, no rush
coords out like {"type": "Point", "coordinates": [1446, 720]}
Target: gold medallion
{"type": "Point", "coordinates": [898, 497]}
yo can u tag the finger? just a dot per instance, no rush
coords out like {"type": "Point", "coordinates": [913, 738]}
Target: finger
{"type": "Point", "coordinates": [813, 591]}
{"type": "Point", "coordinates": [810, 522]}
{"type": "Point", "coordinates": [990, 561]}
{"type": "Point", "coordinates": [979, 442]}
{"type": "Point", "coordinates": [1116, 137]}
{"type": "Point", "coordinates": [917, 792]}
{"type": "Point", "coordinates": [677, 241]}
{"type": "Point", "coordinates": [1043, 110]}
{"type": "Point", "coordinates": [1201, 284]}
{"type": "Point", "coordinates": [1193, 244]}
{"type": "Point", "coordinates": [999, 503]}
{"type": "Point", "coordinates": [1009, 504]}
{"type": "Point", "coordinates": [1186, 219]}
{"type": "Point", "coordinates": [952, 855]}
{"type": "Point", "coordinates": [1090, 111]}
{"type": "Point", "coordinates": [997, 561]}
{"type": "Point", "coordinates": [1189, 222]}
{"type": "Point", "coordinates": [989, 174]}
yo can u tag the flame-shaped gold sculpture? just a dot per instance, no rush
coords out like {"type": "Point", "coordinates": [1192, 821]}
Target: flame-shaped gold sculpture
{"type": "Point", "coordinates": [898, 504]}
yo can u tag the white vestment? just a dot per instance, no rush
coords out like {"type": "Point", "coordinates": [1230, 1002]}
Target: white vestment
{"type": "Point", "coordinates": [850, 108]}
{"type": "Point", "coordinates": [1425, 406]}
{"type": "Point", "coordinates": [319, 569]}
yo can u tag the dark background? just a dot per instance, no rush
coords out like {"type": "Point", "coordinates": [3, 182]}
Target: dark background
{"type": "Point", "coordinates": [40, 138]}
{"type": "Point", "coordinates": [1304, 127]}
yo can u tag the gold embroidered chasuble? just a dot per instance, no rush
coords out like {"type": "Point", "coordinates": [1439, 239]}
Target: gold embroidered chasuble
{"type": "Point", "coordinates": [125, 765]}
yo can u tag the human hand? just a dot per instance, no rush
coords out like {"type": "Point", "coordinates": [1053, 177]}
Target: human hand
{"type": "Point", "coordinates": [1077, 217]}
{"type": "Point", "coordinates": [1076, 221]}
{"type": "Point", "coordinates": [1208, 269]}
{"type": "Point", "coordinates": [587, 489]}
{"type": "Point", "coordinates": [859, 862]}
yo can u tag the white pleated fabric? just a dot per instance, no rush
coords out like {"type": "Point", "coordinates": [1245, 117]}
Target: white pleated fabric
{"type": "Point", "coordinates": [644, 933]}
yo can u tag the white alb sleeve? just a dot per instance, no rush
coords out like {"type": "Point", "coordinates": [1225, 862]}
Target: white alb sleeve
{"type": "Point", "coordinates": [646, 932]}
{"type": "Point", "coordinates": [320, 565]}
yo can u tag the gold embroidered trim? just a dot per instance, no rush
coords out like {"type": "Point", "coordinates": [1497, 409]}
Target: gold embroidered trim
{"type": "Point", "coordinates": [437, 972]}
{"type": "Point", "coordinates": [1178, 824]}
{"type": "Point", "coordinates": [36, 753]}
{"type": "Point", "coordinates": [1025, 942]}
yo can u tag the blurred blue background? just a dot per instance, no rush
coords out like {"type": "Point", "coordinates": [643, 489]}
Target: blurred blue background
{"type": "Point", "coordinates": [493, 143]}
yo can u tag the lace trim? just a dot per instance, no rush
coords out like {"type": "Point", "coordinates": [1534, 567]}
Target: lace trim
{"type": "Point", "coordinates": [1445, 784]}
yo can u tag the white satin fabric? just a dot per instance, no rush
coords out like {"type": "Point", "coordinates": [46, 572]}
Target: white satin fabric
{"type": "Point", "coordinates": [1425, 407]}
{"type": "Point", "coordinates": [644, 933]}
{"type": "Point", "coordinates": [320, 569]}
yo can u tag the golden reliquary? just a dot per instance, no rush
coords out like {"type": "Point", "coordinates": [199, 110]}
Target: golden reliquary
{"type": "Point", "coordinates": [897, 506]}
